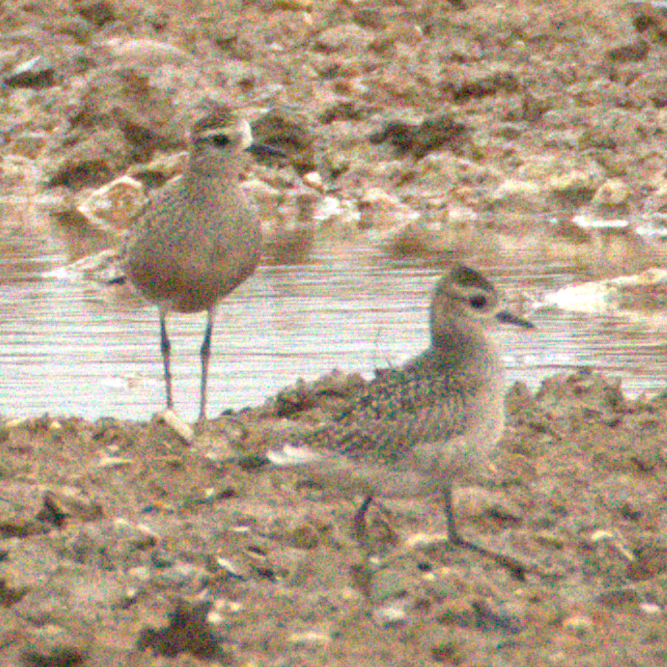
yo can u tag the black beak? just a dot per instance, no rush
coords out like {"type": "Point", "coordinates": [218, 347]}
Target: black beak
{"type": "Point", "coordinates": [262, 150]}
{"type": "Point", "coordinates": [508, 318]}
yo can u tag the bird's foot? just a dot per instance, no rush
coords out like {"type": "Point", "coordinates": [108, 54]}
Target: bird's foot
{"type": "Point", "coordinates": [516, 567]}
{"type": "Point", "coordinates": [376, 537]}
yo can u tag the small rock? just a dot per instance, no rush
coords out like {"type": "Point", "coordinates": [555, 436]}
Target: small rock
{"type": "Point", "coordinates": [79, 590]}
{"type": "Point", "coordinates": [457, 611]}
{"type": "Point", "coordinates": [119, 543]}
{"type": "Point", "coordinates": [93, 161]}
{"type": "Point", "coordinates": [294, 5]}
{"type": "Point", "coordinates": [313, 180]}
{"type": "Point", "coordinates": [481, 80]}
{"type": "Point", "coordinates": [161, 168]}
{"type": "Point", "coordinates": [37, 72]}
{"type": "Point", "coordinates": [290, 130]}
{"type": "Point", "coordinates": [585, 390]}
{"type": "Point", "coordinates": [651, 560]}
{"type": "Point", "coordinates": [67, 503]}
{"type": "Point", "coordinates": [579, 624]}
{"type": "Point", "coordinates": [615, 541]}
{"type": "Point", "coordinates": [336, 214]}
{"type": "Point", "coordinates": [550, 539]}
{"type": "Point", "coordinates": [479, 503]}
{"type": "Point", "coordinates": [228, 566]}
{"type": "Point", "coordinates": [304, 535]}
{"type": "Point", "coordinates": [391, 615]}
{"type": "Point", "coordinates": [54, 646]}
{"type": "Point", "coordinates": [111, 462]}
{"type": "Point", "coordinates": [145, 52]}
{"type": "Point", "coordinates": [599, 93]}
{"type": "Point", "coordinates": [650, 608]}
{"type": "Point", "coordinates": [576, 184]}
{"type": "Point", "coordinates": [449, 652]}
{"type": "Point", "coordinates": [181, 576]}
{"type": "Point", "coordinates": [137, 535]}
{"type": "Point", "coordinates": [613, 193]}
{"type": "Point", "coordinates": [216, 445]}
{"type": "Point", "coordinates": [98, 12]}
{"type": "Point", "coordinates": [349, 37]}
{"type": "Point", "coordinates": [28, 143]}
{"type": "Point", "coordinates": [111, 207]}
{"type": "Point", "coordinates": [390, 583]}
{"type": "Point", "coordinates": [650, 88]}
{"type": "Point", "coordinates": [178, 425]}
{"type": "Point", "coordinates": [493, 617]}
{"type": "Point", "coordinates": [411, 239]}
{"type": "Point", "coordinates": [425, 541]}
{"type": "Point", "coordinates": [412, 136]}
{"type": "Point", "coordinates": [379, 209]}
{"type": "Point", "coordinates": [524, 196]}
{"type": "Point", "coordinates": [628, 51]}
{"type": "Point", "coordinates": [618, 597]}
{"type": "Point", "coordinates": [25, 566]}
{"type": "Point", "coordinates": [310, 638]}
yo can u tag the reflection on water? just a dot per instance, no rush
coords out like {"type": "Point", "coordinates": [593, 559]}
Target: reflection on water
{"type": "Point", "coordinates": [68, 347]}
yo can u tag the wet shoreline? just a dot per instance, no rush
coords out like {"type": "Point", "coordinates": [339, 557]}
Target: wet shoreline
{"type": "Point", "coordinates": [74, 347]}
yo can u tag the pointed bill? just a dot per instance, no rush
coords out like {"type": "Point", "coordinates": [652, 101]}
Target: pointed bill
{"type": "Point", "coordinates": [510, 318]}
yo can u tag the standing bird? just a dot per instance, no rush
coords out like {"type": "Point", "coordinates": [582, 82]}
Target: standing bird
{"type": "Point", "coordinates": [196, 240]}
{"type": "Point", "coordinates": [415, 430]}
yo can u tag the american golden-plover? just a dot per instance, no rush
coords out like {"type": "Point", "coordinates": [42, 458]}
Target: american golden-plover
{"type": "Point", "coordinates": [197, 240]}
{"type": "Point", "coordinates": [416, 430]}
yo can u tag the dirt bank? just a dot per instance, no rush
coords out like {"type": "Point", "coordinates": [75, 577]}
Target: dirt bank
{"type": "Point", "coordinates": [121, 544]}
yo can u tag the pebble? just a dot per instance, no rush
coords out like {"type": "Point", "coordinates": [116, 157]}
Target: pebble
{"type": "Point", "coordinates": [579, 624]}
{"type": "Point", "coordinates": [524, 196]}
{"type": "Point", "coordinates": [110, 207]}
{"type": "Point", "coordinates": [182, 575]}
{"type": "Point", "coordinates": [310, 638]}
{"type": "Point", "coordinates": [390, 615]}
{"type": "Point", "coordinates": [178, 425]}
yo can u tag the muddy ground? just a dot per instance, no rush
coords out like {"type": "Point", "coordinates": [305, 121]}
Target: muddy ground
{"type": "Point", "coordinates": [467, 129]}
{"type": "Point", "coordinates": [124, 545]}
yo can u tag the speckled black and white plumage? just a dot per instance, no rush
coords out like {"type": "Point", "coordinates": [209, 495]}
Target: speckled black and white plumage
{"type": "Point", "coordinates": [415, 430]}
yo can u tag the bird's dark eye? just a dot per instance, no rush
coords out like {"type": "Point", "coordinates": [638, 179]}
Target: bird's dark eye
{"type": "Point", "coordinates": [478, 302]}
{"type": "Point", "coordinates": [220, 140]}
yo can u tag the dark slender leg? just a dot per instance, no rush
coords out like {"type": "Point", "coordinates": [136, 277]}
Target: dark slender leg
{"type": "Point", "coordinates": [359, 520]}
{"type": "Point", "coordinates": [452, 531]}
{"type": "Point", "coordinates": [518, 569]}
{"type": "Point", "coordinates": [165, 348]}
{"type": "Point", "coordinates": [205, 354]}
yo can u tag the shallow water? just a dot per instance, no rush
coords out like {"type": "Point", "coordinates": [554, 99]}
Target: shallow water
{"type": "Point", "coordinates": [71, 347]}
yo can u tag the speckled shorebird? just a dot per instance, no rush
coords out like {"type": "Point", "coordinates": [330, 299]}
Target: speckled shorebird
{"type": "Point", "coordinates": [415, 430]}
{"type": "Point", "coordinates": [196, 240]}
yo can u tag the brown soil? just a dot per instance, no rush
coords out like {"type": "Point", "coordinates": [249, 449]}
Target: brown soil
{"type": "Point", "coordinates": [122, 544]}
